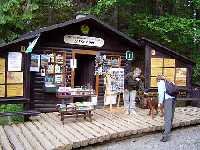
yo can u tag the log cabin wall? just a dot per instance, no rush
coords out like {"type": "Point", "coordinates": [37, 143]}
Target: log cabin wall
{"type": "Point", "coordinates": [41, 100]}
{"type": "Point", "coordinates": [179, 63]}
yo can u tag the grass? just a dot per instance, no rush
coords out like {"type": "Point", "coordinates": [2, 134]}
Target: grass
{"type": "Point", "coordinates": [11, 108]}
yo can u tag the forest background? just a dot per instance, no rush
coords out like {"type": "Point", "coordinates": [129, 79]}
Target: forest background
{"type": "Point", "coordinates": [173, 23]}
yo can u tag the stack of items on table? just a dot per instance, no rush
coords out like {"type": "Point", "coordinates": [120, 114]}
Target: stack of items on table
{"type": "Point", "coordinates": [75, 91]}
{"type": "Point", "coordinates": [75, 106]}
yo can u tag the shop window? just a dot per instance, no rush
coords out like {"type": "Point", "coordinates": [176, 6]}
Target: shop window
{"type": "Point", "coordinates": [167, 67]}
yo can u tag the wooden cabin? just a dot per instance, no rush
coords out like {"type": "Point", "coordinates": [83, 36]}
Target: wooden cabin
{"type": "Point", "coordinates": [72, 48]}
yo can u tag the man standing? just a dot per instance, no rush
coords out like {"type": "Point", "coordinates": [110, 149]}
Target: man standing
{"type": "Point", "coordinates": [169, 106]}
{"type": "Point", "coordinates": [132, 84]}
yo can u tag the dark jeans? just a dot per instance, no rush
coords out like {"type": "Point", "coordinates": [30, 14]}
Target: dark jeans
{"type": "Point", "coordinates": [169, 108]}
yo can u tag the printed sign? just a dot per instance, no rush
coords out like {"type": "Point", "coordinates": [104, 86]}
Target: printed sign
{"type": "Point", "coordinates": [35, 63]}
{"type": "Point", "coordinates": [2, 90]}
{"type": "Point", "coordinates": [14, 77]}
{"type": "Point", "coordinates": [129, 55]}
{"type": "Point", "coordinates": [83, 40]}
{"type": "Point", "coordinates": [14, 61]}
{"type": "Point", "coordinates": [15, 90]}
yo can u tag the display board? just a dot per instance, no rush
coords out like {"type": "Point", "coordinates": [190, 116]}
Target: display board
{"type": "Point", "coordinates": [181, 74]}
{"type": "Point", "coordinates": [117, 80]}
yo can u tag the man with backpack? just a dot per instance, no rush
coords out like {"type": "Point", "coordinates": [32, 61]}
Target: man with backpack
{"type": "Point", "coordinates": [132, 84]}
{"type": "Point", "coordinates": [167, 92]}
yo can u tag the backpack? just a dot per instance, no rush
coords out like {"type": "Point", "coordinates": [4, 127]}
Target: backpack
{"type": "Point", "coordinates": [171, 89]}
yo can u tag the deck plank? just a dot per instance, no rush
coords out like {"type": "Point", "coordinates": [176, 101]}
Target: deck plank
{"type": "Point", "coordinates": [4, 141]}
{"type": "Point", "coordinates": [39, 135]}
{"type": "Point", "coordinates": [32, 140]}
{"type": "Point", "coordinates": [21, 137]}
{"type": "Point", "coordinates": [13, 138]}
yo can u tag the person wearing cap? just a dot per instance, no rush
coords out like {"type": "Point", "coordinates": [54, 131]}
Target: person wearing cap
{"type": "Point", "coordinates": [168, 102]}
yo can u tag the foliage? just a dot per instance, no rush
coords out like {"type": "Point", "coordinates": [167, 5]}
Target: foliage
{"type": "Point", "coordinates": [15, 17]}
{"type": "Point", "coordinates": [11, 108]}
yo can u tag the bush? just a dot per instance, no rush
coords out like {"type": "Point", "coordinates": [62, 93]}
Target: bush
{"type": "Point", "coordinates": [11, 108]}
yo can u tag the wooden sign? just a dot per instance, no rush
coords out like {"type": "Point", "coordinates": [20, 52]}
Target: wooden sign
{"type": "Point", "coordinates": [156, 62]}
{"type": "Point", "coordinates": [169, 62]}
{"type": "Point", "coordinates": [15, 90]}
{"type": "Point", "coordinates": [83, 40]}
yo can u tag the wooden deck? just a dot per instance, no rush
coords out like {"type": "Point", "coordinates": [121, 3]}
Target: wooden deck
{"type": "Point", "coordinates": [47, 131]}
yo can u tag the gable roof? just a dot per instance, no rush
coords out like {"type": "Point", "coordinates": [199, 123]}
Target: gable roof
{"type": "Point", "coordinates": [167, 50]}
{"type": "Point", "coordinates": [33, 34]}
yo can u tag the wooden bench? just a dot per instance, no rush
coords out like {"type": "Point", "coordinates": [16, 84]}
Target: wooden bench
{"type": "Point", "coordinates": [22, 113]}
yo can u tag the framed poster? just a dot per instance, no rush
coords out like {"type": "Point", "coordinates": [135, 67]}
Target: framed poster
{"type": "Point", "coordinates": [153, 82]}
{"type": "Point", "coordinates": [44, 60]}
{"type": "Point", "coordinates": [14, 90]}
{"type": "Point", "coordinates": [156, 62]}
{"type": "Point", "coordinates": [169, 73]}
{"type": "Point", "coordinates": [156, 71]}
{"type": "Point", "coordinates": [14, 77]}
{"type": "Point", "coordinates": [2, 90]}
{"type": "Point", "coordinates": [35, 63]}
{"type": "Point", "coordinates": [14, 61]}
{"type": "Point", "coordinates": [169, 62]}
{"type": "Point", "coordinates": [181, 76]}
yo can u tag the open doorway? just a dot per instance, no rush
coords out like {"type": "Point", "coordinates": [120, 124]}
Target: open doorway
{"type": "Point", "coordinates": [84, 73]}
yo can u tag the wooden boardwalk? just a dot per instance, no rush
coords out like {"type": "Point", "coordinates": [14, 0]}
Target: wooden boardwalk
{"type": "Point", "coordinates": [47, 132]}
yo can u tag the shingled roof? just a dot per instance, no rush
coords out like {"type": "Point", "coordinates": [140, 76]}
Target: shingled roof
{"type": "Point", "coordinates": [167, 50]}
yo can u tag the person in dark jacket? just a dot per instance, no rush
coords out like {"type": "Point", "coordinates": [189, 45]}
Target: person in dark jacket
{"type": "Point", "coordinates": [132, 84]}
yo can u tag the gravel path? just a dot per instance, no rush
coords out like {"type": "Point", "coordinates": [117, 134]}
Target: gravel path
{"type": "Point", "coordinates": [181, 139]}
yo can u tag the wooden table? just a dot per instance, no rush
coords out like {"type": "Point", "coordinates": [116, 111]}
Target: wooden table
{"type": "Point", "coordinates": [75, 112]}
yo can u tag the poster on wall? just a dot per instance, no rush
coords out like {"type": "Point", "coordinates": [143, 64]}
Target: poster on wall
{"type": "Point", "coordinates": [169, 62]}
{"type": "Point", "coordinates": [44, 60]}
{"type": "Point", "coordinates": [169, 73]}
{"type": "Point", "coordinates": [2, 77]}
{"type": "Point", "coordinates": [15, 90]}
{"type": "Point", "coordinates": [153, 82]}
{"type": "Point", "coordinates": [156, 62]}
{"type": "Point", "coordinates": [181, 75]}
{"type": "Point", "coordinates": [2, 65]}
{"type": "Point", "coordinates": [14, 77]}
{"type": "Point", "coordinates": [2, 90]}
{"type": "Point", "coordinates": [14, 61]}
{"type": "Point", "coordinates": [117, 80]}
{"type": "Point", "coordinates": [35, 63]}
{"type": "Point", "coordinates": [156, 71]}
